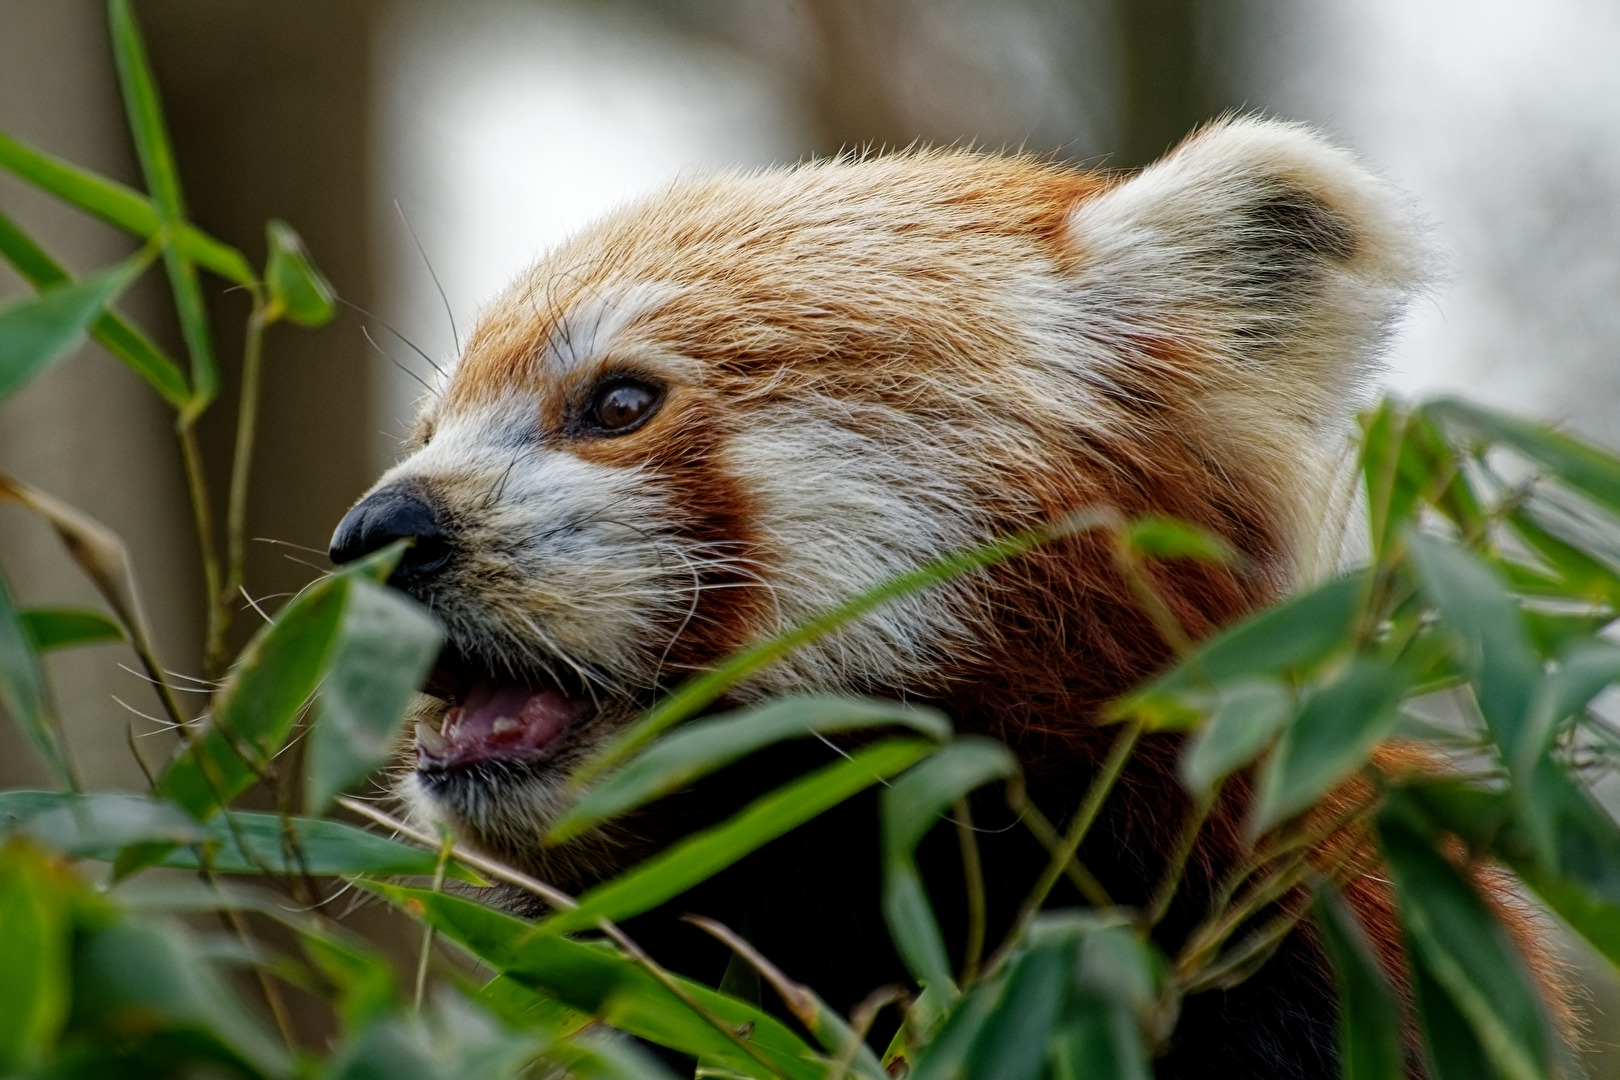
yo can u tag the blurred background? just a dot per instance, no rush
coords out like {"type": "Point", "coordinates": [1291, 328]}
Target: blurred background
{"type": "Point", "coordinates": [470, 135]}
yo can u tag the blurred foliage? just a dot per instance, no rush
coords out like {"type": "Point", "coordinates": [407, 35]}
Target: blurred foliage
{"type": "Point", "coordinates": [1493, 577]}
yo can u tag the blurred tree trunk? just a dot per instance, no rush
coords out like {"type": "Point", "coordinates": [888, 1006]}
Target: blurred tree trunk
{"type": "Point", "coordinates": [269, 107]}
{"type": "Point", "coordinates": [856, 98]}
{"type": "Point", "coordinates": [1165, 90]}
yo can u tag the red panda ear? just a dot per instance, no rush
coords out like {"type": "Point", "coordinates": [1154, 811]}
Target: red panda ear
{"type": "Point", "coordinates": [1247, 282]}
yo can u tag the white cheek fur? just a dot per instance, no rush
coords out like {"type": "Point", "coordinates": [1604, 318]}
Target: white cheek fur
{"type": "Point", "coordinates": [559, 560]}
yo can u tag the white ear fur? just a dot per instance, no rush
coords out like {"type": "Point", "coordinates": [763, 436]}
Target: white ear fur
{"type": "Point", "coordinates": [1260, 270]}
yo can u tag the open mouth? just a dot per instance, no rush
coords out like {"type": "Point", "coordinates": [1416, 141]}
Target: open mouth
{"type": "Point", "coordinates": [494, 717]}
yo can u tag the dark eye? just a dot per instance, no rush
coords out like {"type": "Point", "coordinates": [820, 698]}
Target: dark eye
{"type": "Point", "coordinates": [621, 406]}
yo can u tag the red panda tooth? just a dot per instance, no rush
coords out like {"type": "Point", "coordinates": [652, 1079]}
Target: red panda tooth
{"type": "Point", "coordinates": [431, 742]}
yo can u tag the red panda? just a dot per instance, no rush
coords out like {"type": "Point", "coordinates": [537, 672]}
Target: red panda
{"type": "Point", "coordinates": [724, 408]}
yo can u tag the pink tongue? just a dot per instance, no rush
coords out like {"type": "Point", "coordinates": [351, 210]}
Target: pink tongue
{"type": "Point", "coordinates": [498, 720]}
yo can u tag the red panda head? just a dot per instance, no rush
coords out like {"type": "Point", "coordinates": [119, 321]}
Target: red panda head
{"type": "Point", "coordinates": [723, 409]}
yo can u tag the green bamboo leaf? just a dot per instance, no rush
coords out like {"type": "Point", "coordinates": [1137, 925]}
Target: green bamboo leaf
{"type": "Point", "coordinates": [1488, 634]}
{"type": "Point", "coordinates": [119, 205]}
{"type": "Point", "coordinates": [1393, 480]}
{"type": "Point", "coordinates": [363, 979]}
{"type": "Point", "coordinates": [1247, 714]}
{"type": "Point", "coordinates": [910, 807]}
{"type": "Point", "coordinates": [152, 148]}
{"type": "Point", "coordinates": [1015, 1039]}
{"type": "Point", "coordinates": [63, 628]}
{"type": "Point", "coordinates": [1294, 635]}
{"type": "Point", "coordinates": [704, 746]}
{"type": "Point", "coordinates": [300, 291]}
{"type": "Point", "coordinates": [384, 1049]}
{"type": "Point", "coordinates": [157, 975]}
{"type": "Point", "coordinates": [386, 643]}
{"type": "Point", "coordinates": [1585, 669]}
{"type": "Point", "coordinates": [276, 676]}
{"type": "Point", "coordinates": [322, 848]}
{"type": "Point", "coordinates": [1095, 1042]}
{"type": "Point", "coordinates": [1099, 1034]}
{"type": "Point", "coordinates": [1581, 573]}
{"type": "Point", "coordinates": [109, 329]}
{"type": "Point", "coordinates": [96, 826]}
{"type": "Point", "coordinates": [597, 980]}
{"type": "Point", "coordinates": [103, 824]}
{"type": "Point", "coordinates": [944, 1057]}
{"type": "Point", "coordinates": [1337, 727]}
{"type": "Point", "coordinates": [524, 1008]}
{"type": "Point", "coordinates": [1491, 644]}
{"type": "Point", "coordinates": [43, 328]}
{"type": "Point", "coordinates": [1370, 1046]}
{"type": "Point", "coordinates": [1593, 472]}
{"type": "Point", "coordinates": [34, 977]}
{"type": "Point", "coordinates": [1583, 884]}
{"type": "Point", "coordinates": [599, 1058]}
{"type": "Point", "coordinates": [1466, 954]}
{"type": "Point", "coordinates": [1454, 1049]}
{"type": "Point", "coordinates": [24, 693]}
{"type": "Point", "coordinates": [1166, 538]}
{"type": "Point", "coordinates": [704, 854]}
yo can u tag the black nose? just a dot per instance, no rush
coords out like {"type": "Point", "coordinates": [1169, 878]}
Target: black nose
{"type": "Point", "coordinates": [389, 515]}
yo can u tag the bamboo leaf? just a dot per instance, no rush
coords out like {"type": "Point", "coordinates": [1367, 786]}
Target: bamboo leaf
{"type": "Point", "coordinates": [1337, 727]}
{"type": "Point", "coordinates": [1593, 472]}
{"type": "Point", "coordinates": [910, 807]}
{"type": "Point", "coordinates": [23, 690]}
{"type": "Point", "coordinates": [1369, 1019]}
{"type": "Point", "coordinates": [597, 980]}
{"type": "Point", "coordinates": [704, 854]}
{"type": "Point", "coordinates": [1014, 1041]}
{"type": "Point", "coordinates": [385, 645]}
{"type": "Point", "coordinates": [1487, 631]}
{"type": "Point", "coordinates": [704, 746]}
{"type": "Point", "coordinates": [1294, 635]}
{"type": "Point", "coordinates": [101, 825]}
{"type": "Point", "coordinates": [1460, 946]}
{"type": "Point", "coordinates": [159, 975]}
{"type": "Point", "coordinates": [262, 698]}
{"type": "Point", "coordinates": [41, 329]}
{"type": "Point", "coordinates": [109, 329]}
{"type": "Point", "coordinates": [299, 290]}
{"type": "Point", "coordinates": [1167, 538]}
{"type": "Point", "coordinates": [145, 113]}
{"type": "Point", "coordinates": [35, 987]}
{"type": "Point", "coordinates": [63, 628]}
{"type": "Point", "coordinates": [119, 205]}
{"type": "Point", "coordinates": [1247, 714]}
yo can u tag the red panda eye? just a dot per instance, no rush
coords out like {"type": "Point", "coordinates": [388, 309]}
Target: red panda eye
{"type": "Point", "coordinates": [621, 406]}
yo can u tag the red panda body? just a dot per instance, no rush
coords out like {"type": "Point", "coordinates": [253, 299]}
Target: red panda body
{"type": "Point", "coordinates": [725, 408]}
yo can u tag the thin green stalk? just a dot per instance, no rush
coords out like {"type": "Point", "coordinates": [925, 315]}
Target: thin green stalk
{"type": "Point", "coordinates": [1197, 814]}
{"type": "Point", "coordinates": [973, 875]}
{"type": "Point", "coordinates": [1101, 785]}
{"type": "Point", "coordinates": [1042, 829]}
{"type": "Point", "coordinates": [427, 930]}
{"type": "Point", "coordinates": [202, 509]}
{"type": "Point", "coordinates": [639, 957]}
{"type": "Point", "coordinates": [247, 418]}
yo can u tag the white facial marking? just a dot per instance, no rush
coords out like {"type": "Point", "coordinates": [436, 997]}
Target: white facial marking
{"type": "Point", "coordinates": [586, 333]}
